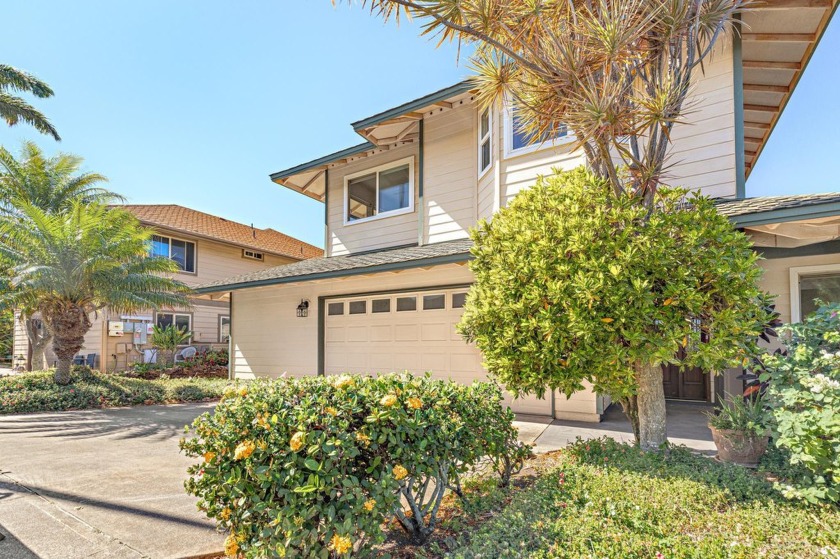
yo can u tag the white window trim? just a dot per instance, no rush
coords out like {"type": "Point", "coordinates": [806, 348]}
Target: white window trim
{"type": "Point", "coordinates": [255, 255]}
{"type": "Point", "coordinates": [221, 317]}
{"type": "Point", "coordinates": [377, 170]}
{"type": "Point", "coordinates": [538, 146]}
{"type": "Point", "coordinates": [795, 275]}
{"type": "Point", "coordinates": [482, 139]}
{"type": "Point", "coordinates": [195, 251]}
{"type": "Point", "coordinates": [176, 314]}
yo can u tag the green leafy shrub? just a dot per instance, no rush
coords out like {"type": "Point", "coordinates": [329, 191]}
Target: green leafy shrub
{"type": "Point", "coordinates": [167, 339]}
{"type": "Point", "coordinates": [803, 392]}
{"type": "Point", "coordinates": [609, 500]}
{"type": "Point", "coordinates": [314, 466]}
{"type": "Point", "coordinates": [37, 391]}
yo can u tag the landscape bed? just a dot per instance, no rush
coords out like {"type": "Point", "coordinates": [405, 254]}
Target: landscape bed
{"type": "Point", "coordinates": [38, 392]}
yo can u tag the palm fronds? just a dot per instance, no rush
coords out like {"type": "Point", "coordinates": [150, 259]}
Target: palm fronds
{"type": "Point", "coordinates": [14, 109]}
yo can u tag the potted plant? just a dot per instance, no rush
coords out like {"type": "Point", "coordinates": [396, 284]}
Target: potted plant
{"type": "Point", "coordinates": [739, 429]}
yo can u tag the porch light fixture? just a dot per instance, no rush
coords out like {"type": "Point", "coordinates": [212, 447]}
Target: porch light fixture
{"type": "Point", "coordinates": [303, 309]}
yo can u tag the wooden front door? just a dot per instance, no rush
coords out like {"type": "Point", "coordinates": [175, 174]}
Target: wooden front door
{"type": "Point", "coordinates": [690, 384]}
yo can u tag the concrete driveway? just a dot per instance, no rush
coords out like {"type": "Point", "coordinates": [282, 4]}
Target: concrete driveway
{"type": "Point", "coordinates": [100, 483]}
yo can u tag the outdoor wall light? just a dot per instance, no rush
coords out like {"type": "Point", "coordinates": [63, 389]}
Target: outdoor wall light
{"type": "Point", "coordinates": [303, 309]}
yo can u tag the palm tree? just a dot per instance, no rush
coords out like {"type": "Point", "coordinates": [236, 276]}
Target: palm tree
{"type": "Point", "coordinates": [14, 109]}
{"type": "Point", "coordinates": [50, 183]}
{"type": "Point", "coordinates": [72, 264]}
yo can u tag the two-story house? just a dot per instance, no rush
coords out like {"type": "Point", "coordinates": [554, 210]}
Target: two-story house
{"type": "Point", "coordinates": [206, 248]}
{"type": "Point", "coordinates": [398, 208]}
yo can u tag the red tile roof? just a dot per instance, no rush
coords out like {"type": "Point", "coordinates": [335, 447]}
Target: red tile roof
{"type": "Point", "coordinates": [188, 221]}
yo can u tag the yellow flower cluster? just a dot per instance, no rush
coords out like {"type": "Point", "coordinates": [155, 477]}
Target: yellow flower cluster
{"type": "Point", "coordinates": [343, 381]}
{"type": "Point", "coordinates": [363, 438]}
{"type": "Point", "coordinates": [208, 456]}
{"type": "Point", "coordinates": [400, 472]}
{"type": "Point", "coordinates": [331, 410]}
{"type": "Point", "coordinates": [244, 450]}
{"type": "Point", "coordinates": [262, 445]}
{"type": "Point", "coordinates": [415, 403]}
{"type": "Point", "coordinates": [225, 514]}
{"type": "Point", "coordinates": [369, 504]}
{"type": "Point", "coordinates": [341, 544]}
{"type": "Point", "coordinates": [231, 547]}
{"type": "Point", "coordinates": [262, 421]}
{"type": "Point", "coordinates": [296, 443]}
{"type": "Point", "coordinates": [243, 392]}
{"type": "Point", "coordinates": [388, 400]}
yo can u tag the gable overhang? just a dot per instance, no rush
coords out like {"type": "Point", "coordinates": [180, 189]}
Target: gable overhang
{"type": "Point", "coordinates": [777, 40]}
{"type": "Point", "coordinates": [384, 131]}
{"type": "Point", "coordinates": [793, 231]}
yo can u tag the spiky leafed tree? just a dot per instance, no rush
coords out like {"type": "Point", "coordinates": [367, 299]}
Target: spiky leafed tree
{"type": "Point", "coordinates": [616, 73]}
{"type": "Point", "coordinates": [14, 109]}
{"type": "Point", "coordinates": [52, 184]}
{"type": "Point", "coordinates": [74, 263]}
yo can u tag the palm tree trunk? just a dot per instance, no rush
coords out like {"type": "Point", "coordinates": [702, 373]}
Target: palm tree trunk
{"type": "Point", "coordinates": [40, 337]}
{"type": "Point", "coordinates": [69, 326]}
{"type": "Point", "coordinates": [651, 406]}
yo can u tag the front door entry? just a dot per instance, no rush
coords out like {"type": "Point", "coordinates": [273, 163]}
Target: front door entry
{"type": "Point", "coordinates": [690, 384]}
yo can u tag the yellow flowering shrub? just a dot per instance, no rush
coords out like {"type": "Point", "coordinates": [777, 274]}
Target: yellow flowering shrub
{"type": "Point", "coordinates": [308, 467]}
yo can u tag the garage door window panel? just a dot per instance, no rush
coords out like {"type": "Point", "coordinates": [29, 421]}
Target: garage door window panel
{"type": "Point", "coordinates": [405, 304]}
{"type": "Point", "coordinates": [459, 300]}
{"type": "Point", "coordinates": [381, 305]}
{"type": "Point", "coordinates": [358, 307]}
{"type": "Point", "coordinates": [434, 302]}
{"type": "Point", "coordinates": [335, 309]}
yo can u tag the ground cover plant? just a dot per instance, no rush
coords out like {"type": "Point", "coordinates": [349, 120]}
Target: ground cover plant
{"type": "Point", "coordinates": [314, 466]}
{"type": "Point", "coordinates": [212, 364]}
{"type": "Point", "coordinates": [605, 499]}
{"type": "Point", "coordinates": [37, 391]}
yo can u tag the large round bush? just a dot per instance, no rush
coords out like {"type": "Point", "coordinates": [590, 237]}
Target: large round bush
{"type": "Point", "coordinates": [312, 467]}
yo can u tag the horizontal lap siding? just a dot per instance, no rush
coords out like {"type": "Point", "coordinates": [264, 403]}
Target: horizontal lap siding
{"type": "Point", "coordinates": [386, 232]}
{"type": "Point", "coordinates": [519, 172]}
{"type": "Point", "coordinates": [702, 155]}
{"type": "Point", "coordinates": [776, 278]}
{"type": "Point", "coordinates": [449, 183]}
{"type": "Point", "coordinates": [20, 346]}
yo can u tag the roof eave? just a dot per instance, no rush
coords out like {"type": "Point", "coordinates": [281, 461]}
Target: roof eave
{"type": "Point", "coordinates": [412, 106]}
{"type": "Point", "coordinates": [813, 211]}
{"type": "Point", "coordinates": [321, 161]}
{"type": "Point", "coordinates": [389, 267]}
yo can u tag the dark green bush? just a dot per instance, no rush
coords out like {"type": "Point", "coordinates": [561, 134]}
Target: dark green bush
{"type": "Point", "coordinates": [311, 466]}
{"type": "Point", "coordinates": [37, 391]}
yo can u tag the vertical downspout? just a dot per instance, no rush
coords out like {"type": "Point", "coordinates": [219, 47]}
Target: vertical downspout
{"type": "Point", "coordinates": [738, 83]}
{"type": "Point", "coordinates": [421, 214]}
{"type": "Point", "coordinates": [326, 212]}
{"type": "Point", "coordinates": [321, 324]}
{"type": "Point", "coordinates": [230, 338]}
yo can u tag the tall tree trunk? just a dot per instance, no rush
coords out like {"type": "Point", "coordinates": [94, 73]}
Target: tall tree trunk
{"type": "Point", "coordinates": [651, 406]}
{"type": "Point", "coordinates": [69, 326]}
{"type": "Point", "coordinates": [630, 405]}
{"type": "Point", "coordinates": [40, 337]}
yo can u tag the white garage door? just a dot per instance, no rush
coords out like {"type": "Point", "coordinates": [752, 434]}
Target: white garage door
{"type": "Point", "coordinates": [406, 332]}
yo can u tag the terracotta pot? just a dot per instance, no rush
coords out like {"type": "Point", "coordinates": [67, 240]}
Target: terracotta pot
{"type": "Point", "coordinates": [738, 447]}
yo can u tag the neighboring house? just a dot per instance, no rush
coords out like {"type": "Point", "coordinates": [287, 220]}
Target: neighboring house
{"type": "Point", "coordinates": [206, 248]}
{"type": "Point", "coordinates": [398, 208]}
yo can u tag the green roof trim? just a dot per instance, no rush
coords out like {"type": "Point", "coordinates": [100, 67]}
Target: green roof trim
{"type": "Point", "coordinates": [411, 106]}
{"type": "Point", "coordinates": [751, 212]}
{"type": "Point", "coordinates": [315, 163]}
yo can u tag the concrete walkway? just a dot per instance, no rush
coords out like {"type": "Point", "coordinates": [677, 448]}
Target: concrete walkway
{"type": "Point", "coordinates": [99, 483]}
{"type": "Point", "coordinates": [686, 426]}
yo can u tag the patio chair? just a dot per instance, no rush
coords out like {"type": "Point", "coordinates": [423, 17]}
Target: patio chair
{"type": "Point", "coordinates": [79, 360]}
{"type": "Point", "coordinates": [186, 354]}
{"type": "Point", "coordinates": [90, 360]}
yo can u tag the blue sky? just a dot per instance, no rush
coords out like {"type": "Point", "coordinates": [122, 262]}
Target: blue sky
{"type": "Point", "coordinates": [196, 102]}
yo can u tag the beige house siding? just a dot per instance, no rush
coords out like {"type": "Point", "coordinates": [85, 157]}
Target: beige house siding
{"type": "Point", "coordinates": [378, 233]}
{"type": "Point", "coordinates": [777, 277]}
{"type": "Point", "coordinates": [451, 167]}
{"type": "Point", "coordinates": [702, 155]}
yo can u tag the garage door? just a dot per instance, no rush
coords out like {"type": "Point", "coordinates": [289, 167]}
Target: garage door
{"type": "Point", "coordinates": [406, 332]}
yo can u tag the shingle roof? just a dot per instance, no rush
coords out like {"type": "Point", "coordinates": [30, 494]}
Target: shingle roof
{"type": "Point", "coordinates": [189, 221]}
{"type": "Point", "coordinates": [360, 263]}
{"type": "Point", "coordinates": [748, 206]}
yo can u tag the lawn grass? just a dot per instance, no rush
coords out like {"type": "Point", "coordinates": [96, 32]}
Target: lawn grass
{"type": "Point", "coordinates": [604, 499]}
{"type": "Point", "coordinates": [37, 392]}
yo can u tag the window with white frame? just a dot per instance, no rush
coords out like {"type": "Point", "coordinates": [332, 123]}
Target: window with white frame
{"type": "Point", "coordinates": [179, 251]}
{"type": "Point", "coordinates": [813, 283]}
{"type": "Point", "coordinates": [224, 329]}
{"type": "Point", "coordinates": [181, 321]}
{"type": "Point", "coordinates": [517, 141]}
{"type": "Point", "coordinates": [485, 141]}
{"type": "Point", "coordinates": [379, 192]}
{"type": "Point", "coordinates": [251, 254]}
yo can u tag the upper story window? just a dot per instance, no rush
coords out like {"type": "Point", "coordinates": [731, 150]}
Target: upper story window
{"type": "Point", "coordinates": [251, 254]}
{"type": "Point", "coordinates": [179, 251]}
{"type": "Point", "coordinates": [517, 141]}
{"type": "Point", "coordinates": [485, 154]}
{"type": "Point", "coordinates": [380, 192]}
